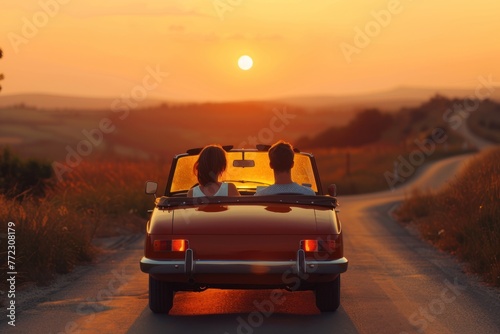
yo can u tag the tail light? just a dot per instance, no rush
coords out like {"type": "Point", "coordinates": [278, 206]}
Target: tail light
{"type": "Point", "coordinates": [310, 245]}
{"type": "Point", "coordinates": [175, 245]}
{"type": "Point", "coordinates": [179, 245]}
{"type": "Point", "coordinates": [329, 245]}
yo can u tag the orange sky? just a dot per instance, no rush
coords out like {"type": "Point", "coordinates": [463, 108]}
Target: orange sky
{"type": "Point", "coordinates": [299, 47]}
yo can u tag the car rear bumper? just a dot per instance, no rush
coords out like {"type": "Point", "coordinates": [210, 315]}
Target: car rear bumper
{"type": "Point", "coordinates": [189, 266]}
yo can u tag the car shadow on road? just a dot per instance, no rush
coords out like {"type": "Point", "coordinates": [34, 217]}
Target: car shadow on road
{"type": "Point", "coordinates": [245, 323]}
{"type": "Point", "coordinates": [245, 312]}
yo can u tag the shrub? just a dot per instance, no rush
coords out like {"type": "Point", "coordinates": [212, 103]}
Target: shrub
{"type": "Point", "coordinates": [19, 177]}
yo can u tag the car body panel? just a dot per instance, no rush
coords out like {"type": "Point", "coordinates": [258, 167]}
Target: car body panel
{"type": "Point", "coordinates": [244, 219]}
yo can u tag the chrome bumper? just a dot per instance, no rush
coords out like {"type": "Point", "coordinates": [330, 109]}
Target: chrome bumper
{"type": "Point", "coordinates": [189, 266]}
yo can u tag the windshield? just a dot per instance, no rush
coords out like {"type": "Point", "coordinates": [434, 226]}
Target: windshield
{"type": "Point", "coordinates": [244, 177]}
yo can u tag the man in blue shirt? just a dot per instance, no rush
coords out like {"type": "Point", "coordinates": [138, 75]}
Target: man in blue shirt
{"type": "Point", "coordinates": [281, 161]}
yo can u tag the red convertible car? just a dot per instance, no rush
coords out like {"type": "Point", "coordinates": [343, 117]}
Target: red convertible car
{"type": "Point", "coordinates": [285, 241]}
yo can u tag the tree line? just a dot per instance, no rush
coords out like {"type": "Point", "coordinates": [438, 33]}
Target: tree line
{"type": "Point", "coordinates": [366, 127]}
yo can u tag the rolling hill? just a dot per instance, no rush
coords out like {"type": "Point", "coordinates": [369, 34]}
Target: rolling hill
{"type": "Point", "coordinates": [96, 127]}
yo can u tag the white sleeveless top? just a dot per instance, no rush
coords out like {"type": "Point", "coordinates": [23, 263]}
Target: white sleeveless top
{"type": "Point", "coordinates": [223, 191]}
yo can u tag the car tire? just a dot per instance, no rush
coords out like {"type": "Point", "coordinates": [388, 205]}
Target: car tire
{"type": "Point", "coordinates": [328, 295]}
{"type": "Point", "coordinates": [161, 296]}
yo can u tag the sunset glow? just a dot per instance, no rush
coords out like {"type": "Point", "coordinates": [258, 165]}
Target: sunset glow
{"type": "Point", "coordinates": [91, 48]}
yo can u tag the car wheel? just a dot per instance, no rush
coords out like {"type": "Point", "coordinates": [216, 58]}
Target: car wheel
{"type": "Point", "coordinates": [328, 295]}
{"type": "Point", "coordinates": [161, 296]}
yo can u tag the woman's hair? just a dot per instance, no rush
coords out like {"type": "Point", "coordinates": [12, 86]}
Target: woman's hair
{"type": "Point", "coordinates": [210, 164]}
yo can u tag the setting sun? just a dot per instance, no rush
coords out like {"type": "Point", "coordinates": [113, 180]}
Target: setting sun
{"type": "Point", "coordinates": [245, 62]}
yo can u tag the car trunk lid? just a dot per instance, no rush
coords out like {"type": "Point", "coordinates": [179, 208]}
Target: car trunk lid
{"type": "Point", "coordinates": [244, 220]}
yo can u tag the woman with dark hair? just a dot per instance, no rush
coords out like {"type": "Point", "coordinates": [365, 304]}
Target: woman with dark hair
{"type": "Point", "coordinates": [208, 168]}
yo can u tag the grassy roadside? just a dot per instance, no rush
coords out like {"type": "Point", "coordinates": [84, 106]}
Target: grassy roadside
{"type": "Point", "coordinates": [54, 232]}
{"type": "Point", "coordinates": [464, 218]}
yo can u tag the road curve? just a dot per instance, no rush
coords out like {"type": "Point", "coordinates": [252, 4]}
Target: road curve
{"type": "Point", "coordinates": [395, 283]}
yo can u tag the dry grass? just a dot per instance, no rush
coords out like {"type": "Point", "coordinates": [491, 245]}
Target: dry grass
{"type": "Point", "coordinates": [464, 218]}
{"type": "Point", "coordinates": [54, 233]}
{"type": "Point", "coordinates": [111, 191]}
{"type": "Point", "coordinates": [50, 237]}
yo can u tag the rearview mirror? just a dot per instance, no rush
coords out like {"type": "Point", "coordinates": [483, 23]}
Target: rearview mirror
{"type": "Point", "coordinates": [244, 163]}
{"type": "Point", "coordinates": [151, 187]}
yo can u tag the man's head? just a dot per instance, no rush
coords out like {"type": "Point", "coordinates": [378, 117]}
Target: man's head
{"type": "Point", "coordinates": [281, 156]}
